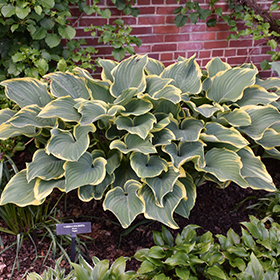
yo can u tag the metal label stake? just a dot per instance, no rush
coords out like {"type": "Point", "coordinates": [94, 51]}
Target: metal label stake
{"type": "Point", "coordinates": [73, 229]}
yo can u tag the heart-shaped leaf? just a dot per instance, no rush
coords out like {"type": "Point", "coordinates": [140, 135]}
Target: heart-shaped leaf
{"type": "Point", "coordinates": [84, 171]}
{"type": "Point", "coordinates": [154, 67]}
{"type": "Point", "coordinates": [163, 137]}
{"type": "Point", "coordinates": [137, 107]}
{"type": "Point", "coordinates": [216, 65]}
{"type": "Point", "coordinates": [44, 188]}
{"type": "Point", "coordinates": [8, 131]}
{"type": "Point", "coordinates": [107, 66]}
{"type": "Point", "coordinates": [270, 139]}
{"type": "Point", "coordinates": [236, 118]}
{"type": "Point", "coordinates": [124, 203]}
{"type": "Point", "coordinates": [206, 110]}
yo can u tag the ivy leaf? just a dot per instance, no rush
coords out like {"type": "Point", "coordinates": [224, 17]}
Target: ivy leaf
{"type": "Point", "coordinates": [180, 20]}
{"type": "Point", "coordinates": [193, 17]}
{"type": "Point", "coordinates": [211, 22]}
{"type": "Point", "coordinates": [52, 40]}
{"type": "Point", "coordinates": [67, 32]}
{"type": "Point", "coordinates": [118, 53]}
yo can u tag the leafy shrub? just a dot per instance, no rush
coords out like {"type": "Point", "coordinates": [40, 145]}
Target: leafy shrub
{"type": "Point", "coordinates": [145, 136]}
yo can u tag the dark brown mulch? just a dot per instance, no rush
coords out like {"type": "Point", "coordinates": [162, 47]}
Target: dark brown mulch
{"type": "Point", "coordinates": [213, 211]}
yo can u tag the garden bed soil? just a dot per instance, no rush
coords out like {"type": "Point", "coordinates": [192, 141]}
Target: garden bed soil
{"type": "Point", "coordinates": [214, 211]}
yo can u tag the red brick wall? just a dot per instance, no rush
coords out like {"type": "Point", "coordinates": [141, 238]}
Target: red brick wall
{"type": "Point", "coordinates": [162, 40]}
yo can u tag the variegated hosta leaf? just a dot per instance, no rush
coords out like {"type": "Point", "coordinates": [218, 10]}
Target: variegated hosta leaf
{"type": "Point", "coordinates": [269, 84]}
{"type": "Point", "coordinates": [216, 65]}
{"type": "Point", "coordinates": [163, 184]}
{"type": "Point", "coordinates": [66, 146]}
{"type": "Point", "coordinates": [27, 91]}
{"type": "Point", "coordinates": [84, 171]}
{"type": "Point", "coordinates": [270, 139]}
{"type": "Point", "coordinates": [184, 152]}
{"type": "Point", "coordinates": [185, 206]}
{"type": "Point", "coordinates": [91, 111]}
{"type": "Point", "coordinates": [63, 84]}
{"type": "Point", "coordinates": [230, 84]}
{"type": "Point", "coordinates": [129, 74]}
{"type": "Point", "coordinates": [140, 125]}
{"type": "Point", "coordinates": [100, 90]}
{"type": "Point", "coordinates": [189, 131]}
{"type": "Point", "coordinates": [18, 191]}
{"type": "Point", "coordinates": [137, 107]}
{"type": "Point", "coordinates": [155, 84]}
{"type": "Point", "coordinates": [225, 165]}
{"type": "Point", "coordinates": [8, 131]}
{"type": "Point", "coordinates": [254, 171]}
{"type": "Point", "coordinates": [167, 107]}
{"type": "Point", "coordinates": [218, 133]}
{"type": "Point", "coordinates": [163, 137]}
{"type": "Point", "coordinates": [206, 110]}
{"type": "Point", "coordinates": [126, 96]}
{"type": "Point", "coordinates": [62, 107]}
{"type": "Point", "coordinates": [44, 166]}
{"type": "Point", "coordinates": [124, 202]}
{"type": "Point", "coordinates": [146, 166]}
{"type": "Point", "coordinates": [186, 75]}
{"type": "Point", "coordinates": [88, 192]}
{"type": "Point", "coordinates": [272, 153]}
{"type": "Point", "coordinates": [6, 114]}
{"type": "Point", "coordinates": [236, 118]}
{"type": "Point", "coordinates": [44, 188]}
{"type": "Point", "coordinates": [154, 67]}
{"type": "Point", "coordinates": [113, 161]}
{"type": "Point", "coordinates": [108, 66]}
{"type": "Point", "coordinates": [162, 121]}
{"type": "Point", "coordinates": [170, 93]}
{"type": "Point", "coordinates": [255, 95]}
{"type": "Point", "coordinates": [170, 202]}
{"type": "Point", "coordinates": [28, 116]}
{"type": "Point", "coordinates": [124, 173]}
{"type": "Point", "coordinates": [262, 117]}
{"type": "Point", "coordinates": [133, 142]}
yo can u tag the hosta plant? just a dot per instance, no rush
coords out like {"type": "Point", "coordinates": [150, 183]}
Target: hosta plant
{"type": "Point", "coordinates": [144, 136]}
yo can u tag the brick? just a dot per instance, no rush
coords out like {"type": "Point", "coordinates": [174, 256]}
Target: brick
{"type": "Point", "coordinates": [169, 19]}
{"type": "Point", "coordinates": [165, 29]}
{"type": "Point", "coordinates": [166, 56]}
{"type": "Point", "coordinates": [177, 54]}
{"type": "Point", "coordinates": [151, 39]}
{"type": "Point", "coordinates": [164, 47]}
{"type": "Point", "coordinates": [143, 2]}
{"type": "Point", "coordinates": [154, 55]}
{"type": "Point", "coordinates": [143, 49]}
{"type": "Point", "coordinates": [147, 10]}
{"type": "Point", "coordinates": [215, 44]}
{"type": "Point", "coordinates": [176, 38]}
{"type": "Point", "coordinates": [190, 46]}
{"type": "Point", "coordinates": [204, 62]}
{"type": "Point", "coordinates": [203, 36]}
{"type": "Point", "coordinates": [240, 43]}
{"type": "Point", "coordinates": [151, 20]}
{"type": "Point", "coordinates": [218, 27]}
{"type": "Point", "coordinates": [256, 59]}
{"type": "Point", "coordinates": [104, 50]}
{"type": "Point", "coordinates": [242, 51]}
{"type": "Point", "coordinates": [193, 28]}
{"type": "Point", "coordinates": [127, 20]}
{"type": "Point", "coordinates": [191, 53]}
{"type": "Point", "coordinates": [238, 60]}
{"type": "Point", "coordinates": [167, 10]}
{"type": "Point", "coordinates": [223, 35]}
{"type": "Point", "coordinates": [141, 30]}
{"type": "Point", "coordinates": [157, 2]}
{"type": "Point", "coordinates": [86, 22]}
{"type": "Point", "coordinates": [230, 52]}
{"type": "Point", "coordinates": [218, 53]}
{"type": "Point", "coordinates": [204, 54]}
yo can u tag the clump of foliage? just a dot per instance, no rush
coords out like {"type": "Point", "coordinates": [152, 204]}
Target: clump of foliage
{"type": "Point", "coordinates": [144, 137]}
{"type": "Point", "coordinates": [254, 255]}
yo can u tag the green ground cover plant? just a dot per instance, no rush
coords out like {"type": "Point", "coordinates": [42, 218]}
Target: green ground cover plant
{"type": "Point", "coordinates": [144, 137]}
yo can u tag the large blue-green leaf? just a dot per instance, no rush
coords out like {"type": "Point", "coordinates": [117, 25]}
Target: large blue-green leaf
{"type": "Point", "coordinates": [133, 142]}
{"type": "Point", "coordinates": [6, 114]}
{"type": "Point", "coordinates": [62, 107]}
{"type": "Point", "coordinates": [216, 65]}
{"type": "Point", "coordinates": [162, 121]}
{"type": "Point", "coordinates": [126, 96]}
{"type": "Point", "coordinates": [186, 75]}
{"type": "Point", "coordinates": [163, 137]}
{"type": "Point", "coordinates": [124, 202]}
{"type": "Point", "coordinates": [146, 166]}
{"type": "Point", "coordinates": [254, 171]}
{"type": "Point", "coordinates": [206, 110]}
{"type": "Point", "coordinates": [107, 65]}
{"type": "Point", "coordinates": [155, 84]}
{"type": "Point", "coordinates": [170, 202]}
{"type": "Point", "coordinates": [236, 118]}
{"type": "Point", "coordinates": [163, 184]}
{"type": "Point", "coordinates": [28, 116]}
{"type": "Point", "coordinates": [225, 165]}
{"type": "Point", "coordinates": [137, 107]}
{"type": "Point", "coordinates": [129, 74]}
{"type": "Point", "coordinates": [167, 107]}
{"type": "Point", "coordinates": [27, 91]}
{"type": "Point", "coordinates": [185, 206]}
{"type": "Point", "coordinates": [100, 90]}
{"type": "Point", "coordinates": [229, 85]}
{"type": "Point", "coordinates": [140, 125]}
{"type": "Point", "coordinates": [44, 188]}
{"type": "Point", "coordinates": [255, 95]}
{"type": "Point", "coordinates": [218, 133]}
{"type": "Point", "coordinates": [269, 84]}
{"type": "Point", "coordinates": [270, 139]}
{"type": "Point", "coordinates": [184, 152]}
{"type": "Point", "coordinates": [18, 191]}
{"type": "Point", "coordinates": [8, 131]}
{"type": "Point", "coordinates": [66, 146]}
{"type": "Point", "coordinates": [92, 111]}
{"type": "Point", "coordinates": [113, 161]}
{"type": "Point", "coordinates": [262, 117]}
{"type": "Point", "coordinates": [84, 171]}
{"type": "Point", "coordinates": [154, 67]}
{"type": "Point", "coordinates": [44, 166]}
{"type": "Point", "coordinates": [189, 130]}
{"type": "Point", "coordinates": [89, 192]}
{"type": "Point", "coordinates": [63, 84]}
